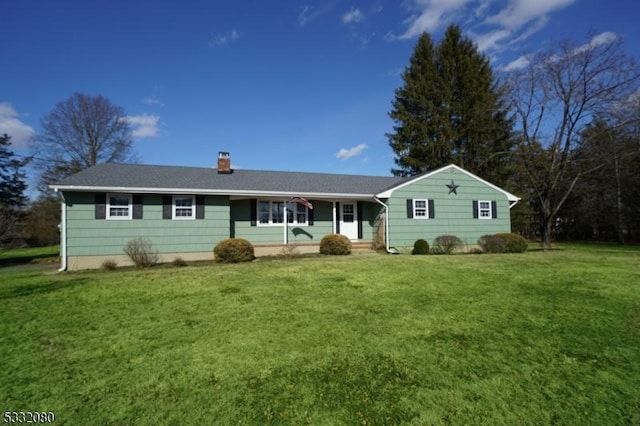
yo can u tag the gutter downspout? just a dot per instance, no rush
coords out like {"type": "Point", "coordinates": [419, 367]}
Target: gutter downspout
{"type": "Point", "coordinates": [63, 233]}
{"type": "Point", "coordinates": [386, 223]}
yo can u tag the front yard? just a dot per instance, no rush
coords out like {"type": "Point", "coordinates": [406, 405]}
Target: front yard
{"type": "Point", "coordinates": [535, 338]}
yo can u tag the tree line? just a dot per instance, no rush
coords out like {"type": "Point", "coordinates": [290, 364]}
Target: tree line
{"type": "Point", "coordinates": [562, 131]}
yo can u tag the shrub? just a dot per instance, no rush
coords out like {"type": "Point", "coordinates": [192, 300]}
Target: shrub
{"type": "Point", "coordinates": [503, 243]}
{"type": "Point", "coordinates": [446, 244]}
{"type": "Point", "coordinates": [420, 247]}
{"type": "Point", "coordinates": [514, 243]}
{"type": "Point", "coordinates": [109, 265]}
{"type": "Point", "coordinates": [178, 261]}
{"type": "Point", "coordinates": [491, 244]}
{"type": "Point", "coordinates": [141, 253]}
{"type": "Point", "coordinates": [335, 244]}
{"type": "Point", "coordinates": [234, 250]}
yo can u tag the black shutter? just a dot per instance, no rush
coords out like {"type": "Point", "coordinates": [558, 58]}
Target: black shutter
{"type": "Point", "coordinates": [167, 206]}
{"type": "Point", "coordinates": [494, 210]}
{"type": "Point", "coordinates": [475, 209]}
{"type": "Point", "coordinates": [409, 208]}
{"type": "Point", "coordinates": [432, 210]}
{"type": "Point", "coordinates": [310, 217]}
{"type": "Point", "coordinates": [100, 206]}
{"type": "Point", "coordinates": [254, 212]}
{"type": "Point", "coordinates": [359, 220]}
{"type": "Point", "coordinates": [137, 206]}
{"type": "Point", "coordinates": [199, 207]}
{"type": "Point", "coordinates": [337, 218]}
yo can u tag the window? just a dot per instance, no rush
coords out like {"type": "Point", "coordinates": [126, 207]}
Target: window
{"type": "Point", "coordinates": [420, 209]}
{"type": "Point", "coordinates": [119, 206]}
{"type": "Point", "coordinates": [272, 213]}
{"type": "Point", "coordinates": [184, 207]}
{"type": "Point", "coordinates": [484, 209]}
{"type": "Point", "coordinates": [300, 216]}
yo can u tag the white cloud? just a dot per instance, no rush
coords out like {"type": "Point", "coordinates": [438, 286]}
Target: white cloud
{"type": "Point", "coordinates": [517, 64]}
{"type": "Point", "coordinates": [345, 154]}
{"type": "Point", "coordinates": [521, 12]}
{"type": "Point", "coordinates": [494, 22]}
{"type": "Point", "coordinates": [429, 15]}
{"type": "Point", "coordinates": [144, 125]}
{"type": "Point", "coordinates": [490, 39]}
{"type": "Point", "coordinates": [353, 16]}
{"type": "Point", "coordinates": [10, 123]}
{"type": "Point", "coordinates": [224, 39]}
{"type": "Point", "coordinates": [597, 40]}
{"type": "Point", "coordinates": [153, 102]}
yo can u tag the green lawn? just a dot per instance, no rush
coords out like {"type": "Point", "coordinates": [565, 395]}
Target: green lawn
{"type": "Point", "coordinates": [536, 338]}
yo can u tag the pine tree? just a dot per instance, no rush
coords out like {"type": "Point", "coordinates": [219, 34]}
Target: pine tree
{"type": "Point", "coordinates": [12, 192]}
{"type": "Point", "coordinates": [450, 110]}
{"type": "Point", "coordinates": [12, 177]}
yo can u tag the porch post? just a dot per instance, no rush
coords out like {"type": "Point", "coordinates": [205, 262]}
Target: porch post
{"type": "Point", "coordinates": [285, 219]}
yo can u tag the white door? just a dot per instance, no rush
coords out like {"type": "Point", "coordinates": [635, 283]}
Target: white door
{"type": "Point", "coordinates": [349, 220]}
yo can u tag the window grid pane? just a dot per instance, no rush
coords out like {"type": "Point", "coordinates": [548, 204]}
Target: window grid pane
{"type": "Point", "coordinates": [277, 212]}
{"type": "Point", "coordinates": [419, 208]}
{"type": "Point", "coordinates": [119, 211]}
{"type": "Point", "coordinates": [264, 209]}
{"type": "Point", "coordinates": [484, 208]}
{"type": "Point", "coordinates": [348, 213]}
{"type": "Point", "coordinates": [119, 206]}
{"type": "Point", "coordinates": [183, 207]}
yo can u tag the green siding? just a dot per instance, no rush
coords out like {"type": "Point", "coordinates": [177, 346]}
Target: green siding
{"type": "Point", "coordinates": [89, 236]}
{"type": "Point", "coordinates": [453, 213]}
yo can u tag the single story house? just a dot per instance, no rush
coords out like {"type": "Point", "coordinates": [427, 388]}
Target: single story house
{"type": "Point", "coordinates": [185, 211]}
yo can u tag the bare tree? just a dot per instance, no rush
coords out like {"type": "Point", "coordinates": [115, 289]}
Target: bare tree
{"type": "Point", "coordinates": [80, 132]}
{"type": "Point", "coordinates": [554, 97]}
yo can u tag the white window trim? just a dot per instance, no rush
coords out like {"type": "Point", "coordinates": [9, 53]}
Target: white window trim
{"type": "Point", "coordinates": [174, 208]}
{"type": "Point", "coordinates": [480, 209]}
{"type": "Point", "coordinates": [288, 205]}
{"type": "Point", "coordinates": [426, 208]}
{"type": "Point", "coordinates": [129, 206]}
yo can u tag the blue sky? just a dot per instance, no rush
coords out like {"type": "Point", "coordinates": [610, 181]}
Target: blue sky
{"type": "Point", "coordinates": [292, 85]}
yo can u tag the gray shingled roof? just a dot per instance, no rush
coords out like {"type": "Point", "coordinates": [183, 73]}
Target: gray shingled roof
{"type": "Point", "coordinates": [207, 179]}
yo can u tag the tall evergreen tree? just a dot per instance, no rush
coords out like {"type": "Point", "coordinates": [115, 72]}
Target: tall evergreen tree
{"type": "Point", "coordinates": [12, 177]}
{"type": "Point", "coordinates": [450, 110]}
{"type": "Point", "coordinates": [12, 191]}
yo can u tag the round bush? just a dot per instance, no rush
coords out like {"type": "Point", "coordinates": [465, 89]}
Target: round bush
{"type": "Point", "coordinates": [233, 250]}
{"type": "Point", "coordinates": [513, 243]}
{"type": "Point", "coordinates": [335, 244]}
{"type": "Point", "coordinates": [491, 244]}
{"type": "Point", "coordinates": [503, 243]}
{"type": "Point", "coordinates": [420, 247]}
{"type": "Point", "coordinates": [446, 244]}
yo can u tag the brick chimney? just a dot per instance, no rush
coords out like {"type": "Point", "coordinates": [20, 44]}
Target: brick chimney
{"type": "Point", "coordinates": [224, 163]}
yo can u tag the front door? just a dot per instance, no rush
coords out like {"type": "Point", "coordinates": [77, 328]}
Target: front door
{"type": "Point", "coordinates": [349, 220]}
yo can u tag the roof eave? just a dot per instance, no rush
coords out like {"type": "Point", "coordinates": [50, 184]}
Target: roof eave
{"type": "Point", "coordinates": [229, 192]}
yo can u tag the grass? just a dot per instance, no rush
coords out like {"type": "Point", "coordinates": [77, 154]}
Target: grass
{"type": "Point", "coordinates": [535, 338]}
{"type": "Point", "coordinates": [29, 255]}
